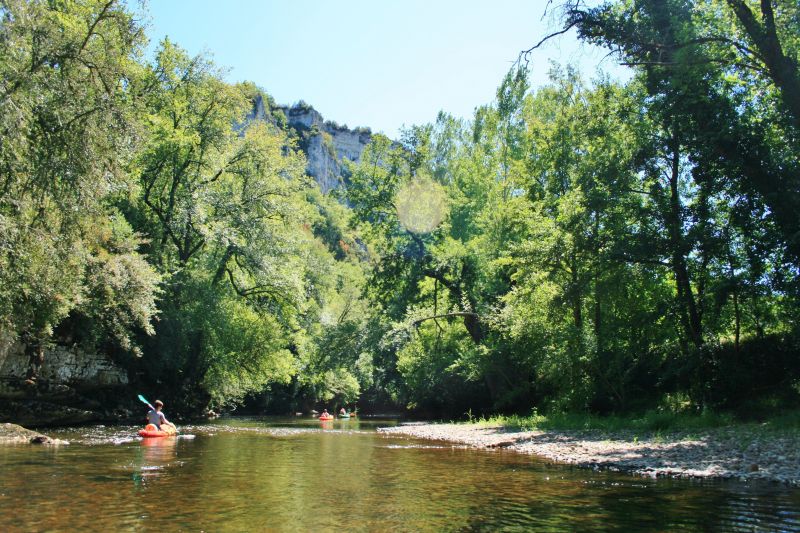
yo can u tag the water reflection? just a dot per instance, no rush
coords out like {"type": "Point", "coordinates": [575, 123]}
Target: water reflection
{"type": "Point", "coordinates": [155, 455]}
{"type": "Point", "coordinates": [303, 474]}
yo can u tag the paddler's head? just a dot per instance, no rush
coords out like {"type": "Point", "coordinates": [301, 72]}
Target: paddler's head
{"type": "Point", "coordinates": [159, 404]}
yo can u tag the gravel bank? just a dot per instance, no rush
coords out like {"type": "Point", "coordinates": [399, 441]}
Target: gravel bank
{"type": "Point", "coordinates": [743, 453]}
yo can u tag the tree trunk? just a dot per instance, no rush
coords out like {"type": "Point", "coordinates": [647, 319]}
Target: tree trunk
{"type": "Point", "coordinates": [472, 321]}
{"type": "Point", "coordinates": [597, 269]}
{"type": "Point", "coordinates": [782, 69]}
{"type": "Point", "coordinates": [691, 316]}
{"type": "Point", "coordinates": [738, 317]}
{"type": "Point", "coordinates": [577, 303]}
{"type": "Point", "coordinates": [223, 263]}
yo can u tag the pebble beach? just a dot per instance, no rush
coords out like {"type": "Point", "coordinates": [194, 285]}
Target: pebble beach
{"type": "Point", "coordinates": [742, 453]}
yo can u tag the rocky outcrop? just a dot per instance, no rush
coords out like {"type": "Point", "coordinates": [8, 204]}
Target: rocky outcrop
{"type": "Point", "coordinates": [326, 144]}
{"type": "Point", "coordinates": [14, 434]}
{"type": "Point", "coordinates": [64, 367]}
{"type": "Point", "coordinates": [67, 379]}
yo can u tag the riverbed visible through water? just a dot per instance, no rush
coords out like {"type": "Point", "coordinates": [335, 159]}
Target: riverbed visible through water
{"type": "Point", "coordinates": [274, 474]}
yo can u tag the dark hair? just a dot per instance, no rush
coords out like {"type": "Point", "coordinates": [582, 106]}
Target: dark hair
{"type": "Point", "coordinates": [159, 403]}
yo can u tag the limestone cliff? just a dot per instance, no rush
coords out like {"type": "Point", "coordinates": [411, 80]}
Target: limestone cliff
{"type": "Point", "coordinates": [326, 144]}
{"type": "Point", "coordinates": [67, 379]}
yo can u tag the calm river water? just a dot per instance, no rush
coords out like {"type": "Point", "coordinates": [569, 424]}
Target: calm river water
{"type": "Point", "coordinates": [257, 474]}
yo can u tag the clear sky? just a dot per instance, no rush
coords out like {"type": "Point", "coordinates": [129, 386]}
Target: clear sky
{"type": "Point", "coordinates": [378, 63]}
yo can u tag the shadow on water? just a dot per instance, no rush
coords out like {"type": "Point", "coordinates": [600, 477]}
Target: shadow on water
{"type": "Point", "coordinates": [302, 474]}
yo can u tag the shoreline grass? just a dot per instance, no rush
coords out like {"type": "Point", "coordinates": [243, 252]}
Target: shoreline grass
{"type": "Point", "coordinates": [648, 422]}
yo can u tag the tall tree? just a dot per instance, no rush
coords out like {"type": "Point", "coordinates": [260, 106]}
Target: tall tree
{"type": "Point", "coordinates": [67, 132]}
{"type": "Point", "coordinates": [730, 75]}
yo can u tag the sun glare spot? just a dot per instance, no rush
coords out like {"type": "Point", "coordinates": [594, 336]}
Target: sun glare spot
{"type": "Point", "coordinates": [421, 205]}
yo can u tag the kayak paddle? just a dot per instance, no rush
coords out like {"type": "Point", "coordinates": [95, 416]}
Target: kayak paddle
{"type": "Point", "coordinates": [141, 399]}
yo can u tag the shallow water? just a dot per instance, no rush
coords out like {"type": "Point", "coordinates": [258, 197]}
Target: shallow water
{"type": "Point", "coordinates": [300, 474]}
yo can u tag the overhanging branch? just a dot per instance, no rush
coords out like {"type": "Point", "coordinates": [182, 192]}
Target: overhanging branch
{"type": "Point", "coordinates": [446, 315]}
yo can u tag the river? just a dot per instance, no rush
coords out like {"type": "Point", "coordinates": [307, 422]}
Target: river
{"type": "Point", "coordinates": [256, 474]}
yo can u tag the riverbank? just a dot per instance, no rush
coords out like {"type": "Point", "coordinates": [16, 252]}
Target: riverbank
{"type": "Point", "coordinates": [743, 452]}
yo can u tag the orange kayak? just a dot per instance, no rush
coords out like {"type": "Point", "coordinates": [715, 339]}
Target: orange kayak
{"type": "Point", "coordinates": [329, 417]}
{"type": "Point", "coordinates": [151, 431]}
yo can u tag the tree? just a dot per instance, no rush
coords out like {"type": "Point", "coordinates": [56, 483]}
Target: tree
{"type": "Point", "coordinates": [729, 78]}
{"type": "Point", "coordinates": [66, 135]}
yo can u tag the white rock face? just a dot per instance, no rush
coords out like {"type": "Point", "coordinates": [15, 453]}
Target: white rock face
{"type": "Point", "coordinates": [326, 145]}
{"type": "Point", "coordinates": [325, 155]}
{"type": "Point", "coordinates": [69, 366]}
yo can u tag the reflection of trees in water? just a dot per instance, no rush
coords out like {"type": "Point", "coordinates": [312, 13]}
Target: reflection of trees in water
{"type": "Point", "coordinates": [672, 504]}
{"type": "Point", "coordinates": [303, 478]}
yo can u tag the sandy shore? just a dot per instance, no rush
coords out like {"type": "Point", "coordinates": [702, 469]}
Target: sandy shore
{"type": "Point", "coordinates": [743, 453]}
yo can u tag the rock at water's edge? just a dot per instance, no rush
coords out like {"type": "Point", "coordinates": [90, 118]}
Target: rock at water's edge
{"type": "Point", "coordinates": [14, 434]}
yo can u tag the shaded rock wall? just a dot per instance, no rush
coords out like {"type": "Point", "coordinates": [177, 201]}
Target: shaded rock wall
{"type": "Point", "coordinates": [73, 386]}
{"type": "Point", "coordinates": [63, 366]}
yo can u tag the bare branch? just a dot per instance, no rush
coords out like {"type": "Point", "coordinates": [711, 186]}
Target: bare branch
{"type": "Point", "coordinates": [525, 54]}
{"type": "Point", "coordinates": [446, 315]}
{"type": "Point", "coordinates": [101, 16]}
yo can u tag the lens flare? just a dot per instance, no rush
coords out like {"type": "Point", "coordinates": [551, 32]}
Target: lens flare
{"type": "Point", "coordinates": [421, 205]}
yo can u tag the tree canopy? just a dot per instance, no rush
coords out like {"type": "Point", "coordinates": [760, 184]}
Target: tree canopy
{"type": "Point", "coordinates": [584, 245]}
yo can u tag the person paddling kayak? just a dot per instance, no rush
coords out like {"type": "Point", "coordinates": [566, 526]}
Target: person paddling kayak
{"type": "Point", "coordinates": [156, 417]}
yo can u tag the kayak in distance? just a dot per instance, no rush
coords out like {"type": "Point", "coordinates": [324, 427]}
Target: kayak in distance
{"type": "Point", "coordinates": [328, 417]}
{"type": "Point", "coordinates": [151, 431]}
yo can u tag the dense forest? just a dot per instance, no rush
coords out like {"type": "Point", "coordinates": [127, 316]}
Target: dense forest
{"type": "Point", "coordinates": [588, 245]}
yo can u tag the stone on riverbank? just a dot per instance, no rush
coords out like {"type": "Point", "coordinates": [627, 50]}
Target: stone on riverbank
{"type": "Point", "coordinates": [14, 434]}
{"type": "Point", "coordinates": [718, 453]}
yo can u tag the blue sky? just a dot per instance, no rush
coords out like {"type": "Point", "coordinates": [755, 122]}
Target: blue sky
{"type": "Point", "coordinates": [375, 63]}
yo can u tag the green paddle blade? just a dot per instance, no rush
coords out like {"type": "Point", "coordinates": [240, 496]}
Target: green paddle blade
{"type": "Point", "coordinates": [141, 399]}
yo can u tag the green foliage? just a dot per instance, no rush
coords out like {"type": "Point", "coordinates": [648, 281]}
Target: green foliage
{"type": "Point", "coordinates": [594, 255]}
{"type": "Point", "coordinates": [648, 422]}
{"type": "Point", "coordinates": [244, 351]}
{"type": "Point", "coordinates": [119, 289]}
{"type": "Point", "coordinates": [66, 134]}
{"type": "Point", "coordinates": [440, 367]}
{"type": "Point", "coordinates": [583, 247]}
